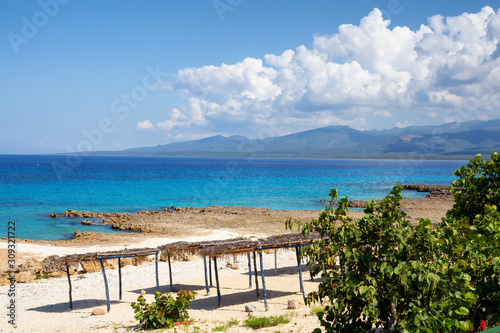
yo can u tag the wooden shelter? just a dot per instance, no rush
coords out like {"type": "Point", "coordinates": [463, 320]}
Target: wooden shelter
{"type": "Point", "coordinates": [210, 249]}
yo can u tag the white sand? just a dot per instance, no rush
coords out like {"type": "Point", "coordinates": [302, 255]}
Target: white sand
{"type": "Point", "coordinates": [43, 306]}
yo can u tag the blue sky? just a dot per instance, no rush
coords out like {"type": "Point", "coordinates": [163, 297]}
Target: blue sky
{"type": "Point", "coordinates": [106, 75]}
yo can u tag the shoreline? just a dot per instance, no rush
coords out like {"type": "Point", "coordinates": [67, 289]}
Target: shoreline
{"type": "Point", "coordinates": [45, 301]}
{"type": "Point", "coordinates": [192, 221]}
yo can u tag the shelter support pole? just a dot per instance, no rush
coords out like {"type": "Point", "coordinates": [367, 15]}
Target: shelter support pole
{"type": "Point", "coordinates": [210, 270]}
{"type": "Point", "coordinates": [297, 251]}
{"type": "Point", "coordinates": [206, 274]}
{"type": "Point", "coordinates": [170, 270]}
{"type": "Point", "coordinates": [275, 261]}
{"type": "Point", "coordinates": [263, 279]}
{"type": "Point", "coordinates": [249, 271]}
{"type": "Point", "coordinates": [120, 276]}
{"type": "Point", "coordinates": [217, 281]}
{"type": "Point", "coordinates": [255, 272]}
{"type": "Point", "coordinates": [70, 289]}
{"type": "Point", "coordinates": [105, 284]}
{"type": "Point", "coordinates": [156, 272]}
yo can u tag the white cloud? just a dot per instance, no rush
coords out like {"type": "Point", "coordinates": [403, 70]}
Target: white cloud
{"type": "Point", "coordinates": [449, 66]}
{"type": "Point", "coordinates": [144, 125]}
{"type": "Point", "coordinates": [406, 123]}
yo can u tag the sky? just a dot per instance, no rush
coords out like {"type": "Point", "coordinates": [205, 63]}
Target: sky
{"type": "Point", "coordinates": [79, 75]}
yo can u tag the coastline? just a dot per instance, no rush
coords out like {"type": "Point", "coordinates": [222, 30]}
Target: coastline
{"type": "Point", "coordinates": [45, 301]}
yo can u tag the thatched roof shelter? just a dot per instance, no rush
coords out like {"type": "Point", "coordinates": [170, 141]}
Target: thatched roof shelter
{"type": "Point", "coordinates": [211, 249]}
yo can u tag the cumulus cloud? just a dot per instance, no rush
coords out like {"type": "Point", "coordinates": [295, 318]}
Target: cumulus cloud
{"type": "Point", "coordinates": [448, 69]}
{"type": "Point", "coordinates": [144, 125]}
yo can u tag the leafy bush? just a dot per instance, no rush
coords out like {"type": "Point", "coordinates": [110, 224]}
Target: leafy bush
{"type": "Point", "coordinates": [259, 322]}
{"type": "Point", "coordinates": [380, 271]}
{"type": "Point", "coordinates": [478, 185]}
{"type": "Point", "coordinates": [165, 311]}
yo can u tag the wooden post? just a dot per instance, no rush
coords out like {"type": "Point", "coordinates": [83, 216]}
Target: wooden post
{"type": "Point", "coordinates": [105, 284]}
{"type": "Point", "coordinates": [120, 276]}
{"type": "Point", "coordinates": [217, 281]}
{"type": "Point", "coordinates": [275, 262]}
{"type": "Point", "coordinates": [297, 251]}
{"type": "Point", "coordinates": [170, 270]}
{"type": "Point", "coordinates": [210, 270]}
{"type": "Point", "coordinates": [263, 280]}
{"type": "Point", "coordinates": [249, 271]}
{"type": "Point", "coordinates": [206, 274]}
{"type": "Point", "coordinates": [70, 289]}
{"type": "Point", "coordinates": [156, 272]}
{"type": "Point", "coordinates": [255, 272]}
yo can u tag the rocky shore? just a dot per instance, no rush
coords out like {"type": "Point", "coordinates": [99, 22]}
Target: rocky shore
{"type": "Point", "coordinates": [195, 221]}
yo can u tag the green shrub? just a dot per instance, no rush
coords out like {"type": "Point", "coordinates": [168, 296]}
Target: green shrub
{"type": "Point", "coordinates": [259, 322]}
{"type": "Point", "coordinates": [165, 311]}
{"type": "Point", "coordinates": [380, 271]}
{"type": "Point", "coordinates": [478, 185]}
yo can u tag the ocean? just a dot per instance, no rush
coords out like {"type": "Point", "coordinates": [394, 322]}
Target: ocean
{"type": "Point", "coordinates": [31, 187]}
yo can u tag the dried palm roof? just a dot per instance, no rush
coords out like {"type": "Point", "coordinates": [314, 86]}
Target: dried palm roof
{"type": "Point", "coordinates": [205, 248]}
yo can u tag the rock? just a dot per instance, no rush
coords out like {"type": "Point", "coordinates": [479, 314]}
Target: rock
{"type": "Point", "coordinates": [292, 304]}
{"type": "Point", "coordinates": [110, 263]}
{"type": "Point", "coordinates": [25, 277]}
{"type": "Point", "coordinates": [250, 308]}
{"type": "Point", "coordinates": [229, 264]}
{"type": "Point", "coordinates": [30, 265]}
{"type": "Point", "coordinates": [91, 266]}
{"type": "Point", "coordinates": [139, 260]}
{"type": "Point", "coordinates": [86, 222]}
{"type": "Point", "coordinates": [49, 264]}
{"type": "Point", "coordinates": [126, 262]}
{"type": "Point", "coordinates": [53, 215]}
{"type": "Point", "coordinates": [4, 281]}
{"type": "Point", "coordinates": [73, 268]}
{"type": "Point", "coordinates": [78, 234]}
{"type": "Point", "coordinates": [98, 312]}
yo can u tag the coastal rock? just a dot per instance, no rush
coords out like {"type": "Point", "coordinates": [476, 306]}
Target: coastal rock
{"type": "Point", "coordinates": [86, 222]}
{"type": "Point", "coordinates": [4, 280]}
{"type": "Point", "coordinates": [434, 190]}
{"type": "Point", "coordinates": [25, 277]}
{"type": "Point", "coordinates": [126, 262]}
{"type": "Point", "coordinates": [30, 265]}
{"type": "Point", "coordinates": [53, 215]}
{"type": "Point", "coordinates": [98, 312]}
{"type": "Point", "coordinates": [49, 264]}
{"type": "Point", "coordinates": [91, 266]}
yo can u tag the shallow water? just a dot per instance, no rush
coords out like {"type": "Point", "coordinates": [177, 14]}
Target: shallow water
{"type": "Point", "coordinates": [31, 187]}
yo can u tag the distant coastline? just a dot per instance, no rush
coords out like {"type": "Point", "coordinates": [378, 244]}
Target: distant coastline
{"type": "Point", "coordinates": [452, 141]}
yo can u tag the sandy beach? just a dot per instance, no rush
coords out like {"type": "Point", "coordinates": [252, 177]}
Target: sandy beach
{"type": "Point", "coordinates": [42, 305]}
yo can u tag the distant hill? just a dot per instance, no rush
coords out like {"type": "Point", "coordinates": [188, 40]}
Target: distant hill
{"type": "Point", "coordinates": [452, 140]}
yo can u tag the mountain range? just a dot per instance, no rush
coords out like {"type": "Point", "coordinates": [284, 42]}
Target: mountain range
{"type": "Point", "coordinates": [452, 141]}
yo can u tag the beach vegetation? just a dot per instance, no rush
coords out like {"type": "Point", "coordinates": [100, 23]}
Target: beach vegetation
{"type": "Point", "coordinates": [228, 324]}
{"type": "Point", "coordinates": [381, 272]}
{"type": "Point", "coordinates": [260, 322]}
{"type": "Point", "coordinates": [44, 276]}
{"type": "Point", "coordinates": [165, 311]}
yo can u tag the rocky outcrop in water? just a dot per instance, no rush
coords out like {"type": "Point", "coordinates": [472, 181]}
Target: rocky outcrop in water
{"type": "Point", "coordinates": [434, 190]}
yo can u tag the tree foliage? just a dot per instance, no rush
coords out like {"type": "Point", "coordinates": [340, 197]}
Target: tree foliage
{"type": "Point", "coordinates": [382, 272]}
{"type": "Point", "coordinates": [164, 311]}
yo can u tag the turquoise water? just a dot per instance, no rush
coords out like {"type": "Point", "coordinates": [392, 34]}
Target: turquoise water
{"type": "Point", "coordinates": [31, 187]}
